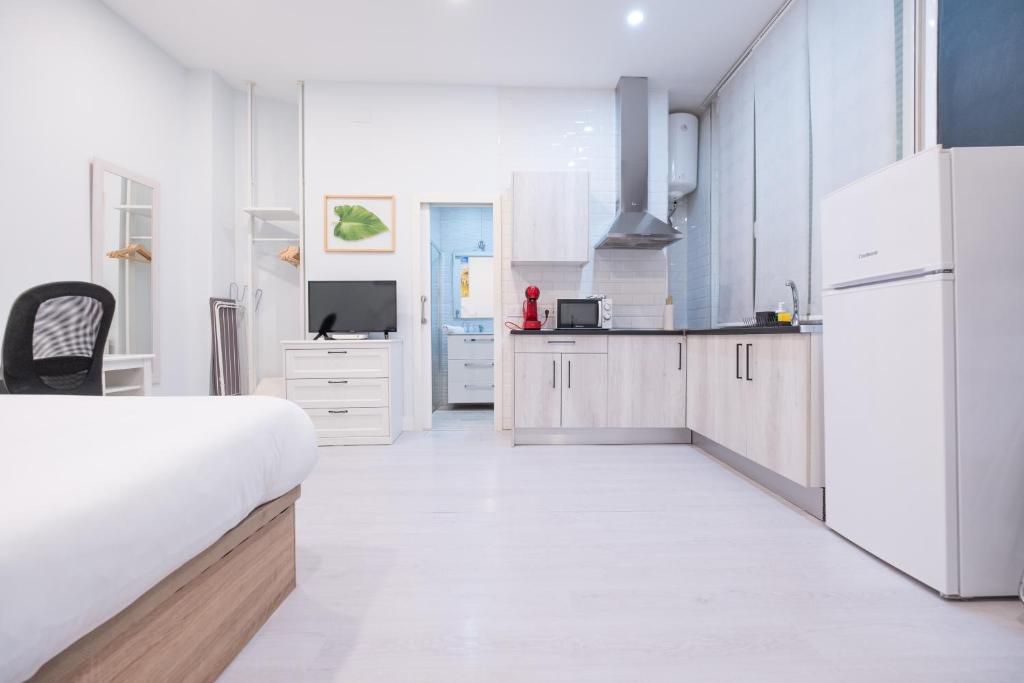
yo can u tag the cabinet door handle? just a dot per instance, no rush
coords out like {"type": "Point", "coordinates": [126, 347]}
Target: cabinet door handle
{"type": "Point", "coordinates": [570, 374]}
{"type": "Point", "coordinates": [338, 412]}
{"type": "Point", "coordinates": [423, 309]}
{"type": "Point", "coordinates": [561, 341]}
{"type": "Point", "coordinates": [554, 366]}
{"type": "Point", "coordinates": [478, 386]}
{"type": "Point", "coordinates": [738, 375]}
{"type": "Point", "coordinates": [478, 365]}
{"type": "Point", "coordinates": [680, 355]}
{"type": "Point", "coordinates": [337, 381]}
{"type": "Point", "coordinates": [337, 352]}
{"type": "Point", "coordinates": [749, 378]}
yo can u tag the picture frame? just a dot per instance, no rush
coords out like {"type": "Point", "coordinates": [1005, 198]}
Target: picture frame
{"type": "Point", "coordinates": [359, 223]}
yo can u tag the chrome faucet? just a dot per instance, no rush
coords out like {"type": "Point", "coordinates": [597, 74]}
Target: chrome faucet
{"type": "Point", "coordinates": [796, 302]}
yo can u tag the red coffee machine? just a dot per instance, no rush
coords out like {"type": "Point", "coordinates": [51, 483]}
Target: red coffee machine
{"type": "Point", "coordinates": [530, 321]}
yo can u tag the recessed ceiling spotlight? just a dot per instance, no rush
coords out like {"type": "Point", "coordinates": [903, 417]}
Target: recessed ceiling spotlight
{"type": "Point", "coordinates": [635, 18]}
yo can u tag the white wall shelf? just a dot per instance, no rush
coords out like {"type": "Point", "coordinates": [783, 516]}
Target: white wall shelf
{"type": "Point", "coordinates": [136, 209]}
{"type": "Point", "coordinates": [272, 213]}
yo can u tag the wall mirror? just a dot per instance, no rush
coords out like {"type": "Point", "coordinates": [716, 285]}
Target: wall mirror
{"type": "Point", "coordinates": [125, 255]}
{"type": "Point", "coordinates": [473, 285]}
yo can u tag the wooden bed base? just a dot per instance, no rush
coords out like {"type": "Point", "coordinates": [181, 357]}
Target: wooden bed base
{"type": "Point", "coordinates": [191, 625]}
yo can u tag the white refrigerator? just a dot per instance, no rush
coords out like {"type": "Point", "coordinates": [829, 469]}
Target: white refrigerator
{"type": "Point", "coordinates": [923, 305]}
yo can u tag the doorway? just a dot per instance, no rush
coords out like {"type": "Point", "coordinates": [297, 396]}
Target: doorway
{"type": "Point", "coordinates": [459, 350]}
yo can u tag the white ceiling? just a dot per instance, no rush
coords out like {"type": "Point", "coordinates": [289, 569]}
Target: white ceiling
{"type": "Point", "coordinates": [684, 46]}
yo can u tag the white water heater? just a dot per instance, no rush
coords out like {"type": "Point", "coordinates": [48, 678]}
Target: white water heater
{"type": "Point", "coordinates": [682, 155]}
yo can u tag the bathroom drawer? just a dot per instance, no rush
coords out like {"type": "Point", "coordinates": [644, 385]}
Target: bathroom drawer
{"type": "Point", "coordinates": [341, 423]}
{"type": "Point", "coordinates": [324, 363]}
{"type": "Point", "coordinates": [339, 393]}
{"type": "Point", "coordinates": [470, 346]}
{"type": "Point", "coordinates": [470, 381]}
{"type": "Point", "coordinates": [561, 343]}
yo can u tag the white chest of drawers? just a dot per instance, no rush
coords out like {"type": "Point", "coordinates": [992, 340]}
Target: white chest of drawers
{"type": "Point", "coordinates": [471, 368]}
{"type": "Point", "coordinates": [352, 390]}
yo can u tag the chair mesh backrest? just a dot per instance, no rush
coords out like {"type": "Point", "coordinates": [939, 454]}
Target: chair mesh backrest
{"type": "Point", "coordinates": [55, 337]}
{"type": "Point", "coordinates": [64, 333]}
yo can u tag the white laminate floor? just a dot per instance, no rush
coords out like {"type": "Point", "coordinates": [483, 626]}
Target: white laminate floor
{"type": "Point", "coordinates": [451, 557]}
{"type": "Point", "coordinates": [461, 419]}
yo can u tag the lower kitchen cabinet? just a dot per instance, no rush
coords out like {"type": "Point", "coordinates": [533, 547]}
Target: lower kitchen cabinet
{"type": "Point", "coordinates": [714, 401]}
{"type": "Point", "coordinates": [647, 381]}
{"type": "Point", "coordinates": [753, 394]}
{"type": "Point", "coordinates": [778, 381]}
{"type": "Point", "coordinates": [596, 388]}
{"type": "Point", "coordinates": [538, 390]}
{"type": "Point", "coordinates": [584, 390]}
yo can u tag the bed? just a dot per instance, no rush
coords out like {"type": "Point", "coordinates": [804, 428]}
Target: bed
{"type": "Point", "coordinates": [143, 538]}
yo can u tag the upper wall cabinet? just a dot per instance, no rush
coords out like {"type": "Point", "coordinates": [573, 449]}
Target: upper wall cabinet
{"type": "Point", "coordinates": [550, 217]}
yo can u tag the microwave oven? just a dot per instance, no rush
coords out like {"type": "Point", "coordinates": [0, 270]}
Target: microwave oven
{"type": "Point", "coordinates": [574, 314]}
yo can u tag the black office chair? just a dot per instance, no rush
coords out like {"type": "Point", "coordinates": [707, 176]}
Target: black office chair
{"type": "Point", "coordinates": [55, 337]}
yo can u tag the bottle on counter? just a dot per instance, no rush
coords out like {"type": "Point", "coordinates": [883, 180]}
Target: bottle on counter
{"type": "Point", "coordinates": [784, 316]}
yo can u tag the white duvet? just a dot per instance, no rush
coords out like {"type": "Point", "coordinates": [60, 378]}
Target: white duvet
{"type": "Point", "coordinates": [104, 497]}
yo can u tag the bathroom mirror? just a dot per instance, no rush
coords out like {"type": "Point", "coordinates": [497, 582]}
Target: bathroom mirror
{"type": "Point", "coordinates": [125, 255]}
{"type": "Point", "coordinates": [473, 285]}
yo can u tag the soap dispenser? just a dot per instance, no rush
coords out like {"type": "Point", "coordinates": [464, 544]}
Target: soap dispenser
{"type": "Point", "coordinates": [782, 315]}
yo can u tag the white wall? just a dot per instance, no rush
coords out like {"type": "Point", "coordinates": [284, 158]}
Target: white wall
{"type": "Point", "coordinates": [404, 140]}
{"type": "Point", "coordinates": [441, 141]}
{"type": "Point", "coordinates": [78, 82]}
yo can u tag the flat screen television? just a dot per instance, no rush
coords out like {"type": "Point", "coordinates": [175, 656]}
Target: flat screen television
{"type": "Point", "coordinates": [357, 306]}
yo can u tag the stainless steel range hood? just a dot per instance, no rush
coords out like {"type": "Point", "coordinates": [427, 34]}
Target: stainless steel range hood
{"type": "Point", "coordinates": [633, 227]}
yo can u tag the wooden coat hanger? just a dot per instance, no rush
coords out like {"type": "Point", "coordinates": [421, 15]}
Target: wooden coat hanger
{"type": "Point", "coordinates": [290, 255]}
{"type": "Point", "coordinates": [133, 252]}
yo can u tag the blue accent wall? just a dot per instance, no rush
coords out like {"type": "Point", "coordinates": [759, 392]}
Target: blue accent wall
{"type": "Point", "coordinates": [981, 73]}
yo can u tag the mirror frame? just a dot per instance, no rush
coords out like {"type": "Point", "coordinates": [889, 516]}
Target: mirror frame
{"type": "Point", "coordinates": [99, 167]}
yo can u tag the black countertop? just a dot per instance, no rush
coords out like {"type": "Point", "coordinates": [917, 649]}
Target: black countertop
{"type": "Point", "coordinates": [592, 330]}
{"type": "Point", "coordinates": [781, 329]}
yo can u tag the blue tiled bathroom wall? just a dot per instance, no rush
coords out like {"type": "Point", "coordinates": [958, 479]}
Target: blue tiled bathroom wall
{"type": "Point", "coordinates": [453, 230]}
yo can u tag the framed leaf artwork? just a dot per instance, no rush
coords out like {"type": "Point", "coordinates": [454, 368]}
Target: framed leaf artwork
{"type": "Point", "coordinates": [359, 223]}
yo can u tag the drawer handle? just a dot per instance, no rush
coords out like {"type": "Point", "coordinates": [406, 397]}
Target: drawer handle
{"type": "Point", "coordinates": [479, 341]}
{"type": "Point", "coordinates": [561, 341]}
{"type": "Point", "coordinates": [338, 412]}
{"type": "Point", "coordinates": [337, 352]}
{"type": "Point", "coordinates": [478, 365]}
{"type": "Point", "coordinates": [478, 386]}
{"type": "Point", "coordinates": [337, 381]}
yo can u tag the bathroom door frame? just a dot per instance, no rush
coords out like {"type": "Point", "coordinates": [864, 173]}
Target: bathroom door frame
{"type": "Point", "coordinates": [423, 371]}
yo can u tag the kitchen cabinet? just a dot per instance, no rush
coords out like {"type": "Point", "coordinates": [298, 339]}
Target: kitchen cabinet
{"type": "Point", "coordinates": [778, 420]}
{"type": "Point", "coordinates": [753, 394]}
{"type": "Point", "coordinates": [568, 390]}
{"type": "Point", "coordinates": [584, 390]}
{"type": "Point", "coordinates": [713, 397]}
{"type": "Point", "coordinates": [647, 375]}
{"type": "Point", "coordinates": [551, 217]}
{"type": "Point", "coordinates": [538, 390]}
